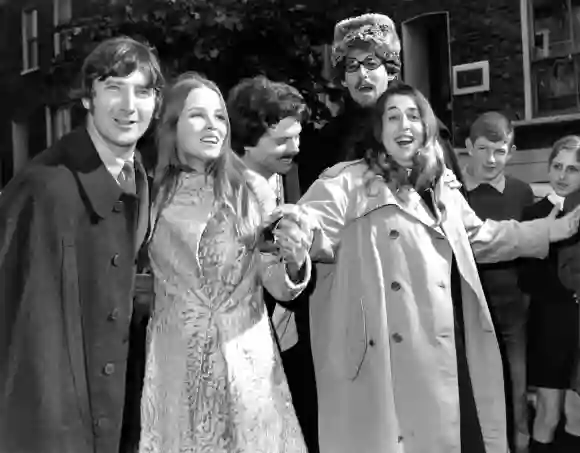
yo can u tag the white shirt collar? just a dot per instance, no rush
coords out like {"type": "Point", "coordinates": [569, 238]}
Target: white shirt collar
{"type": "Point", "coordinates": [113, 163]}
{"type": "Point", "coordinates": [269, 191]}
{"type": "Point", "coordinates": [556, 200]}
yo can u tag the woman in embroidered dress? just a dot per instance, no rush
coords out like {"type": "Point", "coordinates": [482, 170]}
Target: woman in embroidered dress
{"type": "Point", "coordinates": [214, 381]}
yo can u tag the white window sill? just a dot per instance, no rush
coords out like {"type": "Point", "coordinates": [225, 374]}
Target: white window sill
{"type": "Point", "coordinates": [28, 71]}
{"type": "Point", "coordinates": [548, 119]}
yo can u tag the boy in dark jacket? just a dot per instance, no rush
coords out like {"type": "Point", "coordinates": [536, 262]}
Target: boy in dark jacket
{"type": "Point", "coordinates": [494, 195]}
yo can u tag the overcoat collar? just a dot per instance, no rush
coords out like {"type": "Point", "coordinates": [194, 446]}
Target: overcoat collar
{"type": "Point", "coordinates": [99, 186]}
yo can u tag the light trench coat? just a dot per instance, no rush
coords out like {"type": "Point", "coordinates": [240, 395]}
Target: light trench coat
{"type": "Point", "coordinates": [382, 322]}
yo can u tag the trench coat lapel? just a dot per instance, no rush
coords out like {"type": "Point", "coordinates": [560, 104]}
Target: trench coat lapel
{"type": "Point", "coordinates": [409, 201]}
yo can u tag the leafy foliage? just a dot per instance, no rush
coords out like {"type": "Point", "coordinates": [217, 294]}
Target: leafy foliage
{"type": "Point", "coordinates": [224, 39]}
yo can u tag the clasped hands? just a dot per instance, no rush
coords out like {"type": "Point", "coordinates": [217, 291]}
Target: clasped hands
{"type": "Point", "coordinates": [288, 232]}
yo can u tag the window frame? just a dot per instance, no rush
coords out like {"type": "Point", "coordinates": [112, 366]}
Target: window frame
{"type": "Point", "coordinates": [29, 38]}
{"type": "Point", "coordinates": [61, 13]}
{"type": "Point", "coordinates": [531, 113]}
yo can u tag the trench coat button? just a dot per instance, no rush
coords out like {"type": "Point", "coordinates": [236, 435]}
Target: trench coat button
{"type": "Point", "coordinates": [99, 425]}
{"type": "Point", "coordinates": [393, 234]}
{"type": "Point", "coordinates": [397, 337]}
{"type": "Point", "coordinates": [371, 342]}
{"type": "Point", "coordinates": [118, 206]}
{"type": "Point", "coordinates": [115, 260]}
{"type": "Point", "coordinates": [113, 315]}
{"type": "Point", "coordinates": [441, 284]}
{"type": "Point", "coordinates": [395, 286]}
{"type": "Point", "coordinates": [108, 369]}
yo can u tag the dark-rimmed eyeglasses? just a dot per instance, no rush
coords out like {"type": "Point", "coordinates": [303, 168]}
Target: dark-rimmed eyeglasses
{"type": "Point", "coordinates": [370, 63]}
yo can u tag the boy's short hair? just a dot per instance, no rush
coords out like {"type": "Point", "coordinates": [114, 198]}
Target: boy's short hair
{"type": "Point", "coordinates": [494, 126]}
{"type": "Point", "coordinates": [256, 104]}
{"type": "Point", "coordinates": [568, 143]}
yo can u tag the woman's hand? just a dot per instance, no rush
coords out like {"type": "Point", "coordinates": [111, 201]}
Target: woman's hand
{"type": "Point", "coordinates": [293, 235]}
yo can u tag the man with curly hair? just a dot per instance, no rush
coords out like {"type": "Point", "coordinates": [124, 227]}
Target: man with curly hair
{"type": "Point", "coordinates": [266, 121]}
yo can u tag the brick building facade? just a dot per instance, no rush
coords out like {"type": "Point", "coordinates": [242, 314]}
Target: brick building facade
{"type": "Point", "coordinates": [530, 48]}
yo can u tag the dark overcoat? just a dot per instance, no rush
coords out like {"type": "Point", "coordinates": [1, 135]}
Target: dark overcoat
{"type": "Point", "coordinates": [68, 241]}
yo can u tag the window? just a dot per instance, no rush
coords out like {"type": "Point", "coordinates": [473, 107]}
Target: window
{"type": "Point", "coordinates": [29, 40]}
{"type": "Point", "coordinates": [471, 77]}
{"type": "Point", "coordinates": [58, 123]}
{"type": "Point", "coordinates": [62, 13]}
{"type": "Point", "coordinates": [555, 56]}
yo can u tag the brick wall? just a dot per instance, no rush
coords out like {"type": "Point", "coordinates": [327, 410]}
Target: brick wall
{"type": "Point", "coordinates": [478, 31]}
{"type": "Point", "coordinates": [485, 31]}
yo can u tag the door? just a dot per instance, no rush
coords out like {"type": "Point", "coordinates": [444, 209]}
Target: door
{"type": "Point", "coordinates": [427, 61]}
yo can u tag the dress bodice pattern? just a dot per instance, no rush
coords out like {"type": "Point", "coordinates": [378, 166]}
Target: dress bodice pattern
{"type": "Point", "coordinates": [214, 381]}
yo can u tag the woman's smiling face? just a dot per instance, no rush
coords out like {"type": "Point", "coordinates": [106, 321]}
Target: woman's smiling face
{"type": "Point", "coordinates": [403, 129]}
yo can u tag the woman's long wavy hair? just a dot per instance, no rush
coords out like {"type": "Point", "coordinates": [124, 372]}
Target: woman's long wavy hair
{"type": "Point", "coordinates": [428, 162]}
{"type": "Point", "coordinates": [227, 170]}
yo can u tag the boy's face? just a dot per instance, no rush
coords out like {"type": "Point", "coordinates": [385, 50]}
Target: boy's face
{"type": "Point", "coordinates": [488, 159]}
{"type": "Point", "coordinates": [564, 173]}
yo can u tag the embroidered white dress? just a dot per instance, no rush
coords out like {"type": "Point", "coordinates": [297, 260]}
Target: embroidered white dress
{"type": "Point", "coordinates": [214, 381]}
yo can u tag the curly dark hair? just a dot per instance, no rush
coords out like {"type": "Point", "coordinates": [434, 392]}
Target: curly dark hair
{"type": "Point", "coordinates": [256, 104]}
{"type": "Point", "coordinates": [428, 164]}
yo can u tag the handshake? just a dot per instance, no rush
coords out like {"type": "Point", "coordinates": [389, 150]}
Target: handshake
{"type": "Point", "coordinates": [288, 232]}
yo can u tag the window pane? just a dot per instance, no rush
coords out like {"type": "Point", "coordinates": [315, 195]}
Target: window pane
{"type": "Point", "coordinates": [576, 23]}
{"type": "Point", "coordinates": [552, 28]}
{"type": "Point", "coordinates": [556, 85]}
{"type": "Point", "coordinates": [32, 53]}
{"type": "Point", "coordinates": [28, 23]}
{"type": "Point", "coordinates": [63, 11]}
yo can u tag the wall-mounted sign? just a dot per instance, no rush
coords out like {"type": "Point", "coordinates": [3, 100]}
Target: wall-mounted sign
{"type": "Point", "coordinates": [471, 77]}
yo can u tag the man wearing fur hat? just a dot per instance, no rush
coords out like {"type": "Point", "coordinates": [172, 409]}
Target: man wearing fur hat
{"type": "Point", "coordinates": [365, 60]}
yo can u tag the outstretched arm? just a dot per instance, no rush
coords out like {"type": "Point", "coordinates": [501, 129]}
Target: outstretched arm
{"type": "Point", "coordinates": [494, 241]}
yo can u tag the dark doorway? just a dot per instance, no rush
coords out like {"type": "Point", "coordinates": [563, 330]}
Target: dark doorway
{"type": "Point", "coordinates": [427, 61]}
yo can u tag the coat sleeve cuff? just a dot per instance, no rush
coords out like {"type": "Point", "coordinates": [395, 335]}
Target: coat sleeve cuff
{"type": "Point", "coordinates": [277, 281]}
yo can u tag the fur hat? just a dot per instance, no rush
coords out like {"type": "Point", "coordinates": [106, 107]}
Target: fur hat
{"type": "Point", "coordinates": [376, 29]}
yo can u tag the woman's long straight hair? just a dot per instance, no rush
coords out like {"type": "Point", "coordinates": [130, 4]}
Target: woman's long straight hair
{"type": "Point", "coordinates": [227, 170]}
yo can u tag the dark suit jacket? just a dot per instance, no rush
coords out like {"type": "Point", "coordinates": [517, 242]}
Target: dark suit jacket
{"type": "Point", "coordinates": [68, 241]}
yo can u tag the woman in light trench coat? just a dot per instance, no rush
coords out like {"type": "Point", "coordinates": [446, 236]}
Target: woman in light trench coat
{"type": "Point", "coordinates": [389, 315]}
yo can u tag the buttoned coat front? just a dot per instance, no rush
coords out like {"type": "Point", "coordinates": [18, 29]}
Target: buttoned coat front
{"type": "Point", "coordinates": [68, 240]}
{"type": "Point", "coordinates": [382, 321]}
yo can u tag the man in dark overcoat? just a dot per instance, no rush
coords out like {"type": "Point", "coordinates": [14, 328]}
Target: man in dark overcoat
{"type": "Point", "coordinates": [71, 224]}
